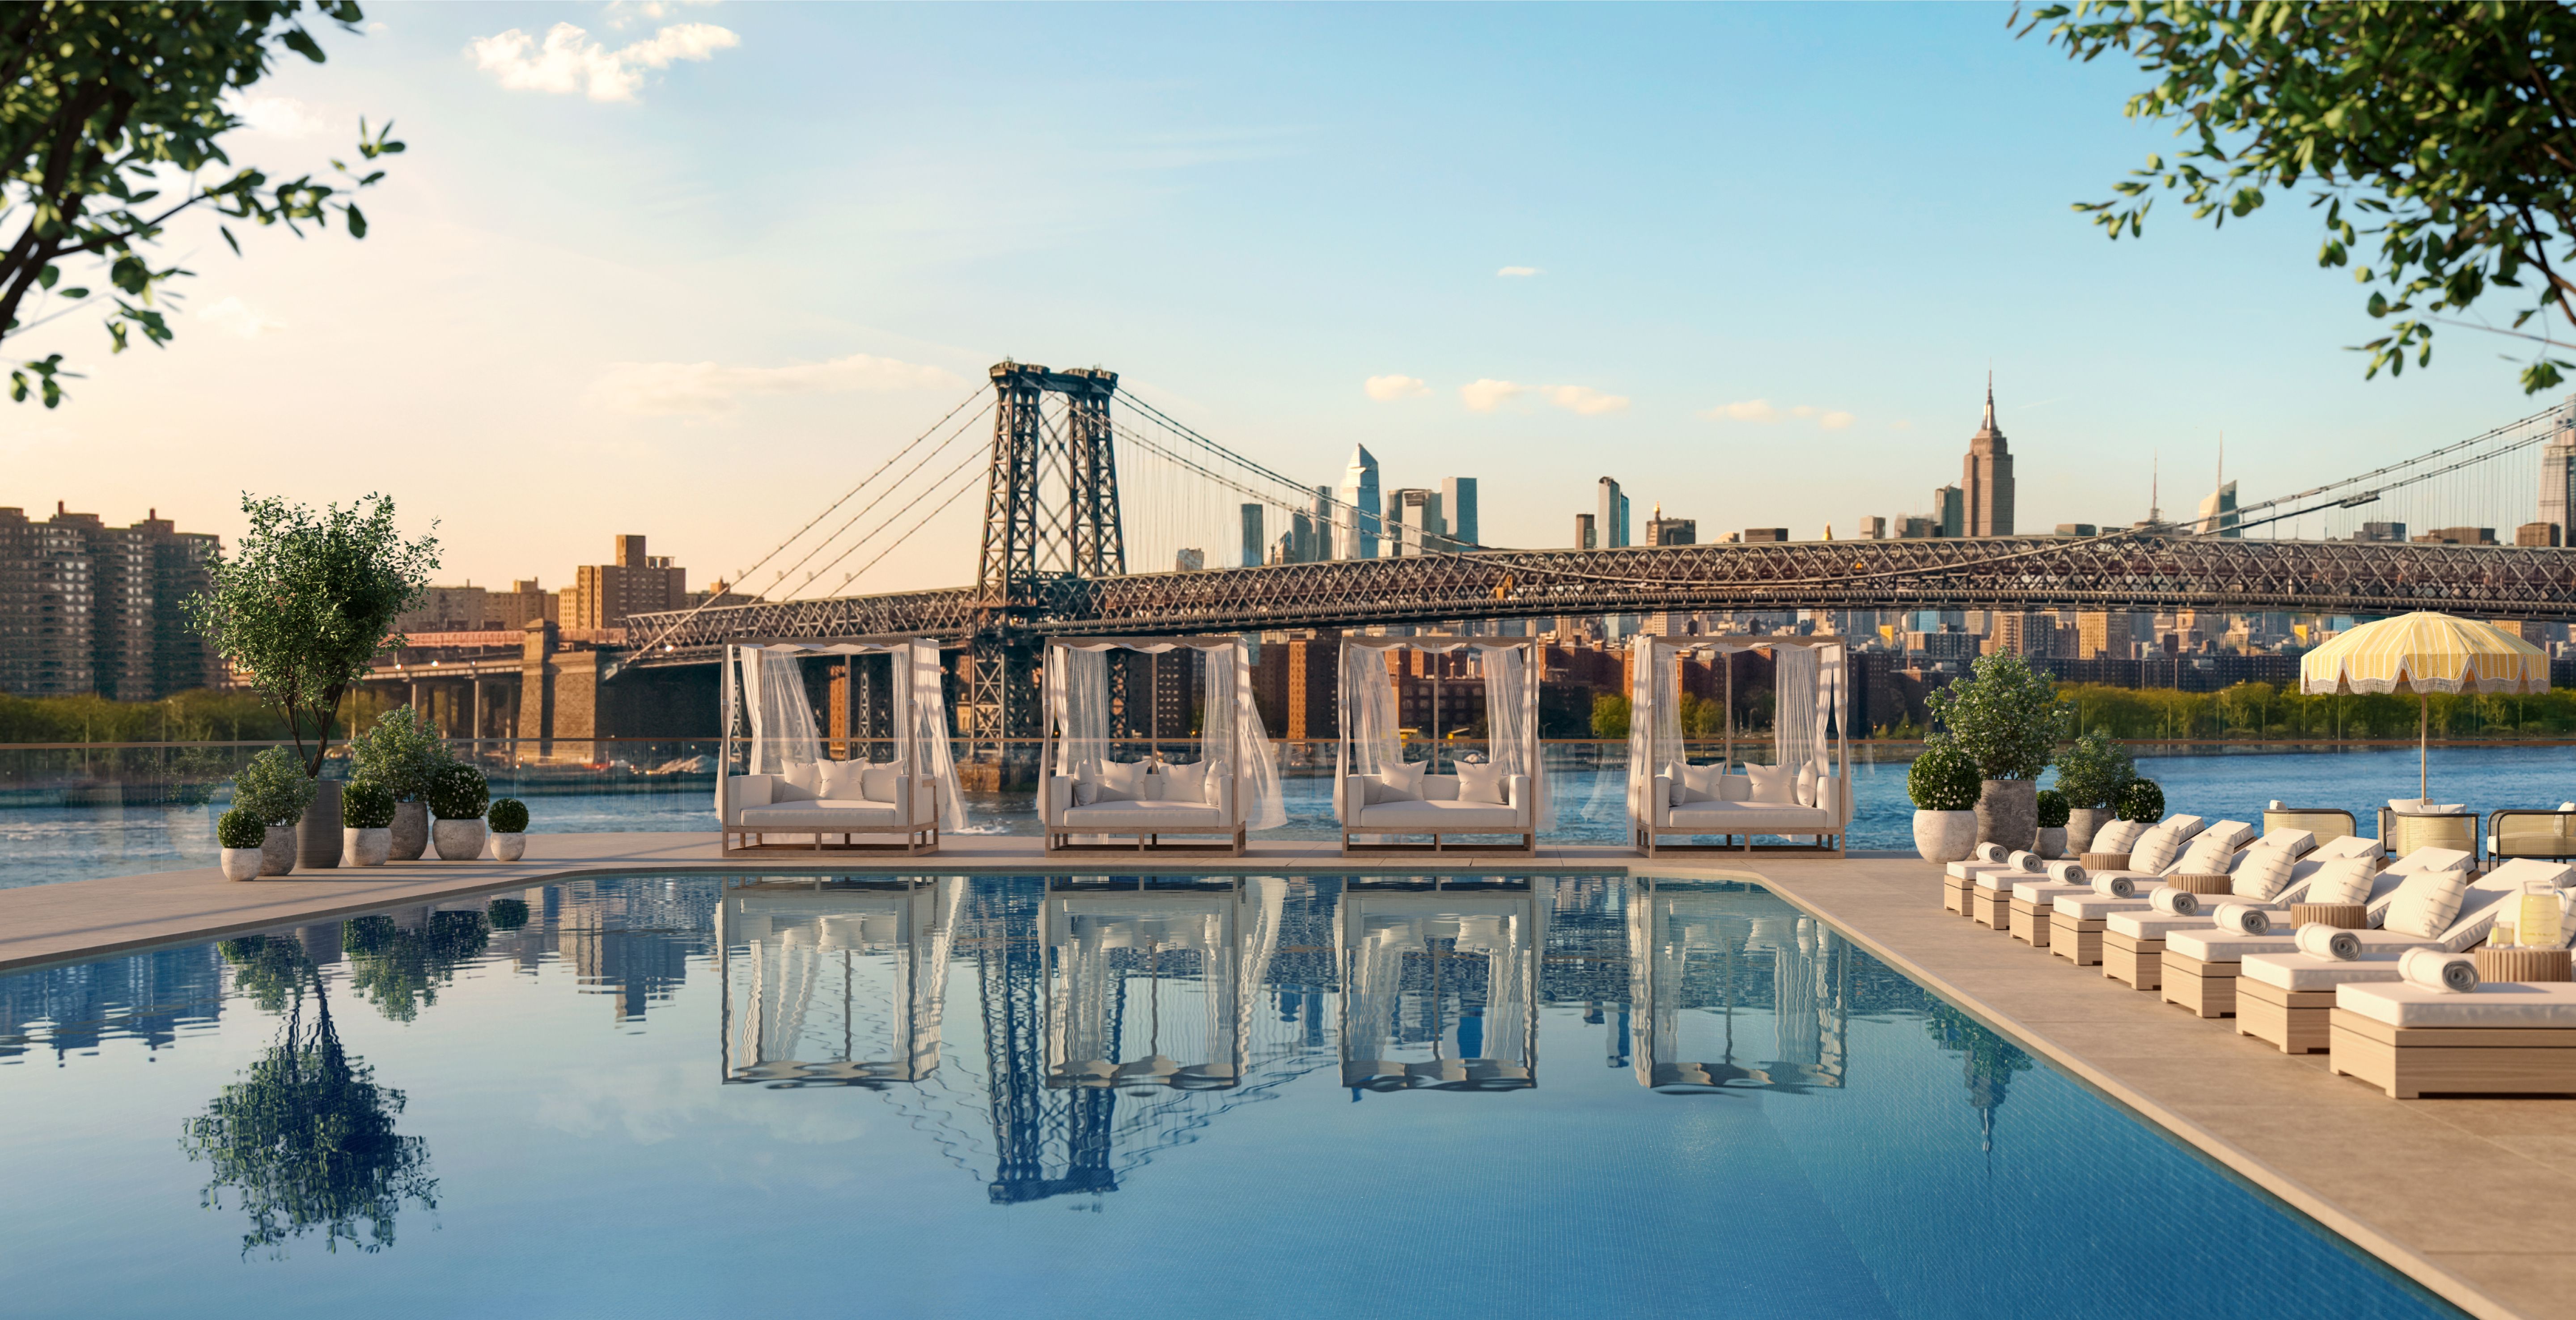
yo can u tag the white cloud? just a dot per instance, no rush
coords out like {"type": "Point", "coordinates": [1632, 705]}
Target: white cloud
{"type": "Point", "coordinates": [1487, 395]}
{"type": "Point", "coordinates": [1764, 411]}
{"type": "Point", "coordinates": [569, 61]}
{"type": "Point", "coordinates": [277, 116]}
{"type": "Point", "coordinates": [1388, 389]}
{"type": "Point", "coordinates": [1834, 421]}
{"type": "Point", "coordinates": [1805, 410]}
{"type": "Point", "coordinates": [1517, 272]}
{"type": "Point", "coordinates": [705, 389]}
{"type": "Point", "coordinates": [624, 13]}
{"type": "Point", "coordinates": [240, 319]}
{"type": "Point", "coordinates": [1586, 400]}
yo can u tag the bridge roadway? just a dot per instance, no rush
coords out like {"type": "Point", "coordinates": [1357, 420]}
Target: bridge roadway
{"type": "Point", "coordinates": [2128, 571]}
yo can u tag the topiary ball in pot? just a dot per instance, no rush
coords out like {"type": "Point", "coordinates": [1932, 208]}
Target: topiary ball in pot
{"type": "Point", "coordinates": [366, 818]}
{"type": "Point", "coordinates": [508, 913]}
{"type": "Point", "coordinates": [1944, 784]}
{"type": "Point", "coordinates": [2053, 812]}
{"type": "Point", "coordinates": [239, 833]}
{"type": "Point", "coordinates": [509, 821]}
{"type": "Point", "coordinates": [2142, 801]}
{"type": "Point", "coordinates": [457, 797]}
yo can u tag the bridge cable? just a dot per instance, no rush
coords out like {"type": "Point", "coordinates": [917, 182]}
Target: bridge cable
{"type": "Point", "coordinates": [883, 495]}
{"type": "Point", "coordinates": [942, 507]}
{"type": "Point", "coordinates": [971, 458]}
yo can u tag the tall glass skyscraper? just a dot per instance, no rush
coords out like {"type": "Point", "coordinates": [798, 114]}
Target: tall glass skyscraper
{"type": "Point", "coordinates": [1360, 510]}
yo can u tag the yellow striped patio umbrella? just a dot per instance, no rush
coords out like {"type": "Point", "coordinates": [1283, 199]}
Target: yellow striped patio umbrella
{"type": "Point", "coordinates": [2424, 653]}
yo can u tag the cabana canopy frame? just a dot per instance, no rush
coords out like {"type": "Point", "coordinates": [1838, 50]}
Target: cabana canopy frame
{"type": "Point", "coordinates": [789, 787]}
{"type": "Point", "coordinates": [1368, 802]}
{"type": "Point", "coordinates": [1811, 746]}
{"type": "Point", "coordinates": [1076, 801]}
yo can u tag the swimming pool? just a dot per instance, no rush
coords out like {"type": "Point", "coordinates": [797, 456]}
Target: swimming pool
{"type": "Point", "coordinates": [1543, 1096]}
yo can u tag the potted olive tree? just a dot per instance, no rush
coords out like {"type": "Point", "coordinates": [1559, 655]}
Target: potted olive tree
{"type": "Point", "coordinates": [2007, 718]}
{"type": "Point", "coordinates": [457, 796]}
{"type": "Point", "coordinates": [402, 751]}
{"type": "Point", "coordinates": [2052, 824]}
{"type": "Point", "coordinates": [241, 832]}
{"type": "Point", "coordinates": [1943, 784]}
{"type": "Point", "coordinates": [301, 607]}
{"type": "Point", "coordinates": [509, 820]}
{"type": "Point", "coordinates": [368, 807]}
{"type": "Point", "coordinates": [2091, 774]}
{"type": "Point", "coordinates": [274, 790]}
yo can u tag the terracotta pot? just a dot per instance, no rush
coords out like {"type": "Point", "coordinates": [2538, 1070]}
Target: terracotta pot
{"type": "Point", "coordinates": [2082, 824]}
{"type": "Point", "coordinates": [509, 847]}
{"type": "Point", "coordinates": [457, 840]}
{"type": "Point", "coordinates": [1945, 836]}
{"type": "Point", "coordinates": [366, 847]}
{"type": "Point", "coordinates": [2008, 813]}
{"type": "Point", "coordinates": [317, 836]}
{"type": "Point", "coordinates": [240, 863]}
{"type": "Point", "coordinates": [277, 851]}
{"type": "Point", "coordinates": [410, 831]}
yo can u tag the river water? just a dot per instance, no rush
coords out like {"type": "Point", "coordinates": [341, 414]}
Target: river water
{"type": "Point", "coordinates": [49, 845]}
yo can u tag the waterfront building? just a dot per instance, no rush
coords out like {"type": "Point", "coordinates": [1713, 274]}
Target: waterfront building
{"type": "Point", "coordinates": [2218, 512]}
{"type": "Point", "coordinates": [1949, 511]}
{"type": "Point", "coordinates": [1414, 522]}
{"type": "Point", "coordinates": [1357, 537]}
{"type": "Point", "coordinates": [85, 607]}
{"type": "Point", "coordinates": [1661, 530]}
{"type": "Point", "coordinates": [1610, 516]}
{"type": "Point", "coordinates": [2537, 534]}
{"type": "Point", "coordinates": [603, 595]}
{"type": "Point", "coordinates": [1252, 537]}
{"type": "Point", "coordinates": [1458, 504]}
{"type": "Point", "coordinates": [524, 603]}
{"type": "Point", "coordinates": [1766, 534]}
{"type": "Point", "coordinates": [1586, 536]}
{"type": "Point", "coordinates": [2558, 482]}
{"type": "Point", "coordinates": [1873, 528]}
{"type": "Point", "coordinates": [1986, 476]}
{"type": "Point", "coordinates": [2105, 634]}
{"type": "Point", "coordinates": [2457, 536]}
{"type": "Point", "coordinates": [2381, 531]}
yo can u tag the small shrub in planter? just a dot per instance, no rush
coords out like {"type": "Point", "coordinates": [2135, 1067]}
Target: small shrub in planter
{"type": "Point", "coordinates": [2142, 801]}
{"type": "Point", "coordinates": [1943, 779]}
{"type": "Point", "coordinates": [241, 828]}
{"type": "Point", "coordinates": [508, 816]}
{"type": "Point", "coordinates": [457, 792]}
{"type": "Point", "coordinates": [367, 805]}
{"type": "Point", "coordinates": [508, 913]}
{"type": "Point", "coordinates": [2053, 809]}
{"type": "Point", "coordinates": [2093, 771]}
{"type": "Point", "coordinates": [402, 752]}
{"type": "Point", "coordinates": [273, 787]}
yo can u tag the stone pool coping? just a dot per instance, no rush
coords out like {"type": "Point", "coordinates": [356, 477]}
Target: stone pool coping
{"type": "Point", "coordinates": [2335, 1149]}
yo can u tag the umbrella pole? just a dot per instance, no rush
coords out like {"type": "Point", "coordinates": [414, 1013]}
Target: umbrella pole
{"type": "Point", "coordinates": [2423, 723]}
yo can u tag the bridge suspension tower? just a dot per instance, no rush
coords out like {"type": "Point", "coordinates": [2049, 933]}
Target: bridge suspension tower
{"type": "Point", "coordinates": [1050, 517]}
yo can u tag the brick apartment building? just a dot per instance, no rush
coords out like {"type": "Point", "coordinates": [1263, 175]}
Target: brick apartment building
{"type": "Point", "coordinates": [85, 607]}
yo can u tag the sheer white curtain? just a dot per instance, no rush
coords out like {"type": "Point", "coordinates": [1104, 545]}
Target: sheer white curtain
{"type": "Point", "coordinates": [1513, 746]}
{"type": "Point", "coordinates": [1369, 737]}
{"type": "Point", "coordinates": [1797, 732]}
{"type": "Point", "coordinates": [1078, 700]}
{"type": "Point", "coordinates": [930, 729]}
{"type": "Point", "coordinates": [1654, 719]}
{"type": "Point", "coordinates": [1232, 733]}
{"type": "Point", "coordinates": [782, 720]}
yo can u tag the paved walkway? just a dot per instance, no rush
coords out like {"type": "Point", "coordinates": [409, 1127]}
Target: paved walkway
{"type": "Point", "coordinates": [2501, 1173]}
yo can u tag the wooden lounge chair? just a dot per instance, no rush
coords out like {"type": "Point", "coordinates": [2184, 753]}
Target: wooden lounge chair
{"type": "Point", "coordinates": [2201, 966]}
{"type": "Point", "coordinates": [2543, 834]}
{"type": "Point", "coordinates": [2503, 1038]}
{"type": "Point", "coordinates": [2076, 912]}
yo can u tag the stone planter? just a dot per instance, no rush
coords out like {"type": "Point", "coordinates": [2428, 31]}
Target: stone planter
{"type": "Point", "coordinates": [2008, 813]}
{"type": "Point", "coordinates": [240, 863]}
{"type": "Point", "coordinates": [2082, 824]}
{"type": "Point", "coordinates": [365, 847]}
{"type": "Point", "coordinates": [317, 836]}
{"type": "Point", "coordinates": [509, 847]}
{"type": "Point", "coordinates": [2052, 841]}
{"type": "Point", "coordinates": [277, 851]}
{"type": "Point", "coordinates": [410, 831]}
{"type": "Point", "coordinates": [1945, 836]}
{"type": "Point", "coordinates": [457, 840]}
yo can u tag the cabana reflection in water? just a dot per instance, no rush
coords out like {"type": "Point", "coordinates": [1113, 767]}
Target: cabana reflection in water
{"type": "Point", "coordinates": [1441, 989]}
{"type": "Point", "coordinates": [837, 983]}
{"type": "Point", "coordinates": [1136, 974]}
{"type": "Point", "coordinates": [1688, 950]}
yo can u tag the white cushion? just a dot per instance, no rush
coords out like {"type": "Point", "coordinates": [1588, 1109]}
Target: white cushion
{"type": "Point", "coordinates": [2213, 945]}
{"type": "Point", "coordinates": [2343, 880]}
{"type": "Point", "coordinates": [1480, 783]}
{"type": "Point", "coordinates": [2158, 847]}
{"type": "Point", "coordinates": [2118, 837]}
{"type": "Point", "coordinates": [801, 781]}
{"type": "Point", "coordinates": [2208, 855]}
{"type": "Point", "coordinates": [2416, 807]}
{"type": "Point", "coordinates": [841, 779]}
{"type": "Point", "coordinates": [878, 783]}
{"type": "Point", "coordinates": [1701, 783]}
{"type": "Point", "coordinates": [1749, 818]}
{"type": "Point", "coordinates": [1401, 782]}
{"type": "Point", "coordinates": [817, 815]}
{"type": "Point", "coordinates": [1184, 783]}
{"type": "Point", "coordinates": [2492, 1004]}
{"type": "Point", "coordinates": [1422, 817]}
{"type": "Point", "coordinates": [1807, 778]}
{"type": "Point", "coordinates": [2154, 925]}
{"type": "Point", "coordinates": [2234, 834]}
{"type": "Point", "coordinates": [2306, 971]}
{"type": "Point", "coordinates": [2426, 904]}
{"type": "Point", "coordinates": [1136, 815]}
{"type": "Point", "coordinates": [2042, 894]}
{"type": "Point", "coordinates": [1773, 784]}
{"type": "Point", "coordinates": [2293, 844]}
{"type": "Point", "coordinates": [2263, 872]}
{"type": "Point", "coordinates": [1112, 781]}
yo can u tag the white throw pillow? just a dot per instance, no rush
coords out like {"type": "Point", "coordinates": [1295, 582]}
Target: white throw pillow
{"type": "Point", "coordinates": [1773, 784]}
{"type": "Point", "coordinates": [2207, 855]}
{"type": "Point", "coordinates": [2234, 834]}
{"type": "Point", "coordinates": [2156, 850]}
{"type": "Point", "coordinates": [1702, 783]}
{"type": "Point", "coordinates": [1115, 782]}
{"type": "Point", "coordinates": [1676, 784]}
{"type": "Point", "coordinates": [2426, 904]}
{"type": "Point", "coordinates": [1807, 778]}
{"type": "Point", "coordinates": [2263, 872]}
{"type": "Point", "coordinates": [2293, 844]}
{"type": "Point", "coordinates": [877, 782]}
{"type": "Point", "coordinates": [801, 781]}
{"type": "Point", "coordinates": [2118, 837]}
{"type": "Point", "coordinates": [1184, 783]}
{"type": "Point", "coordinates": [2343, 880]}
{"type": "Point", "coordinates": [1480, 783]}
{"type": "Point", "coordinates": [841, 781]}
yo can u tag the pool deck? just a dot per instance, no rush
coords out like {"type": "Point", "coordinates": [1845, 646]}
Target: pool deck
{"type": "Point", "coordinates": [2473, 1198]}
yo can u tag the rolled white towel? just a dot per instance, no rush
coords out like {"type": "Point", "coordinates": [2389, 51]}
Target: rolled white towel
{"type": "Point", "coordinates": [2029, 862]}
{"type": "Point", "coordinates": [2115, 886]}
{"type": "Point", "coordinates": [2319, 940]}
{"type": "Point", "coordinates": [2273, 805]}
{"type": "Point", "coordinates": [1990, 852]}
{"type": "Point", "coordinates": [2439, 969]}
{"type": "Point", "coordinates": [2243, 918]}
{"type": "Point", "coordinates": [2068, 873]}
{"type": "Point", "coordinates": [2175, 902]}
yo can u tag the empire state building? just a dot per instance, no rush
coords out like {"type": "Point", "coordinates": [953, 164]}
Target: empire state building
{"type": "Point", "coordinates": [1986, 476]}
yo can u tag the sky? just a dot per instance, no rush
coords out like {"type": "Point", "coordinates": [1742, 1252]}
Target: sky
{"type": "Point", "coordinates": [693, 271]}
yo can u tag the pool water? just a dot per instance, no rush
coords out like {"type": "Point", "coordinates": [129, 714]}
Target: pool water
{"type": "Point", "coordinates": [1511, 1096]}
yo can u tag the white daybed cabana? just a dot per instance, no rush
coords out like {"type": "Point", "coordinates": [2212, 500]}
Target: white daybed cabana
{"type": "Point", "coordinates": [1375, 791]}
{"type": "Point", "coordinates": [787, 786]}
{"type": "Point", "coordinates": [1804, 792]}
{"type": "Point", "coordinates": [1088, 793]}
